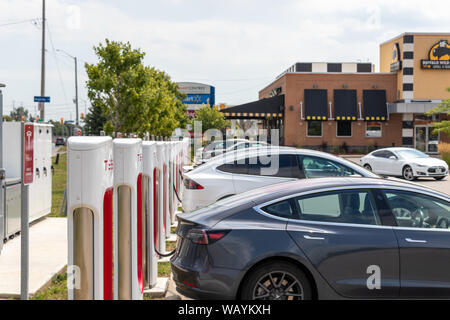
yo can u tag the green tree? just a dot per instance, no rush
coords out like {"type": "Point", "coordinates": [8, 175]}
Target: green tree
{"type": "Point", "coordinates": [95, 120]}
{"type": "Point", "coordinates": [133, 98]}
{"type": "Point", "coordinates": [211, 118]}
{"type": "Point", "coordinates": [18, 112]}
{"type": "Point", "coordinates": [443, 107]}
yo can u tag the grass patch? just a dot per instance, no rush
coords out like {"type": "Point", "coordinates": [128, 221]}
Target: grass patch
{"type": "Point", "coordinates": [57, 290]}
{"type": "Point", "coordinates": [164, 269]}
{"type": "Point", "coordinates": [444, 150]}
{"type": "Point", "coordinates": [170, 245]}
{"type": "Point", "coordinates": [58, 183]}
{"type": "Point", "coordinates": [173, 230]}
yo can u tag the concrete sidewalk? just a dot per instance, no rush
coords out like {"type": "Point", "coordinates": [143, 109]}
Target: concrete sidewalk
{"type": "Point", "coordinates": [48, 256]}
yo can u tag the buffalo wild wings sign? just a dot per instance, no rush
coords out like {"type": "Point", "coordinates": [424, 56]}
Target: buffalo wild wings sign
{"type": "Point", "coordinates": [438, 56]}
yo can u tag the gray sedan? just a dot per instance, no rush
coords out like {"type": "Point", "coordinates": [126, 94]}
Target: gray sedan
{"type": "Point", "coordinates": [327, 238]}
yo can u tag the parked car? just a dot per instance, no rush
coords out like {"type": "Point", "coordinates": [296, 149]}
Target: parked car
{"type": "Point", "coordinates": [404, 162]}
{"type": "Point", "coordinates": [246, 169]}
{"type": "Point", "coordinates": [60, 141]}
{"type": "Point", "coordinates": [326, 238]}
{"type": "Point", "coordinates": [236, 146]}
{"type": "Point", "coordinates": [214, 148]}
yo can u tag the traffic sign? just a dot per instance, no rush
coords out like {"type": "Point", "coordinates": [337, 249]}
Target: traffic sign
{"type": "Point", "coordinates": [28, 156]}
{"type": "Point", "coordinates": [41, 99]}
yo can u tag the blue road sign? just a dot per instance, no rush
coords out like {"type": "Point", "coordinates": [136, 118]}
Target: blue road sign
{"type": "Point", "coordinates": [41, 99]}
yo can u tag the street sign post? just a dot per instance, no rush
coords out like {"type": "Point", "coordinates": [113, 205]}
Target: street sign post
{"type": "Point", "coordinates": [41, 99]}
{"type": "Point", "coordinates": [27, 178]}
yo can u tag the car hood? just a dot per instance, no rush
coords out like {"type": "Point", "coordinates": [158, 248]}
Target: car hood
{"type": "Point", "coordinates": [431, 162]}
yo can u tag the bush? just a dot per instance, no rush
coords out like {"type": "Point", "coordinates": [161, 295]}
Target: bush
{"type": "Point", "coordinates": [444, 150]}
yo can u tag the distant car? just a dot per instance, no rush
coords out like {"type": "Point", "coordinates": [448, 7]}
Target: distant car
{"type": "Point", "coordinates": [237, 146]}
{"type": "Point", "coordinates": [326, 238]}
{"type": "Point", "coordinates": [60, 141]}
{"type": "Point", "coordinates": [246, 169]}
{"type": "Point", "coordinates": [214, 148]}
{"type": "Point", "coordinates": [404, 162]}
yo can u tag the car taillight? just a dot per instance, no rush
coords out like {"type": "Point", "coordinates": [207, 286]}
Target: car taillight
{"type": "Point", "coordinates": [199, 236]}
{"type": "Point", "coordinates": [191, 184]}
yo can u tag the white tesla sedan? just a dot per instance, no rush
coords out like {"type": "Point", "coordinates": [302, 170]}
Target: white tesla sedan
{"type": "Point", "coordinates": [404, 162]}
{"type": "Point", "coordinates": [246, 169]}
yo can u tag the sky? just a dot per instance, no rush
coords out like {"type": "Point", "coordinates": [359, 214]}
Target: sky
{"type": "Point", "coordinates": [238, 46]}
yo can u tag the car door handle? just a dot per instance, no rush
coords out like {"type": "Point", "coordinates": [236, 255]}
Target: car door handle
{"type": "Point", "coordinates": [415, 241]}
{"type": "Point", "coordinates": [313, 238]}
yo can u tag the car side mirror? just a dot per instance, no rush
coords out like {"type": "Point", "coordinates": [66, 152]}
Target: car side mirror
{"type": "Point", "coordinates": [393, 157]}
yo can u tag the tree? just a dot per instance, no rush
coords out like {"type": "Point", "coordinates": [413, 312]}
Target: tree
{"type": "Point", "coordinates": [133, 98]}
{"type": "Point", "coordinates": [211, 118]}
{"type": "Point", "coordinates": [443, 107]}
{"type": "Point", "coordinates": [95, 120]}
{"type": "Point", "coordinates": [18, 112]}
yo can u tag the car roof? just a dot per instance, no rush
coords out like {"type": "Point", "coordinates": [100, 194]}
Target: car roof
{"type": "Point", "coordinates": [276, 191]}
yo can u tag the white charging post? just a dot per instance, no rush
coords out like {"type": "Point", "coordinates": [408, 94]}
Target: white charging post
{"type": "Point", "coordinates": [90, 218]}
{"type": "Point", "coordinates": [150, 211]}
{"type": "Point", "coordinates": [129, 243]}
{"type": "Point", "coordinates": [161, 223]}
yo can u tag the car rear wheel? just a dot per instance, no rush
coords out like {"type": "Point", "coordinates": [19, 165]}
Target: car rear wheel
{"type": "Point", "coordinates": [439, 178]}
{"type": "Point", "coordinates": [408, 173]}
{"type": "Point", "coordinates": [276, 280]}
{"type": "Point", "coordinates": [367, 167]}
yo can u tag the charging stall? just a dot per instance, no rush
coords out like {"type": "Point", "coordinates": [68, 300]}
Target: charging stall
{"type": "Point", "coordinates": [149, 191]}
{"type": "Point", "coordinates": [90, 218]}
{"type": "Point", "coordinates": [129, 243]}
{"type": "Point", "coordinates": [161, 197]}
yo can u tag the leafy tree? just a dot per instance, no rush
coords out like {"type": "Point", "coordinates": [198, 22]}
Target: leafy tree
{"type": "Point", "coordinates": [18, 112]}
{"type": "Point", "coordinates": [95, 120]}
{"type": "Point", "coordinates": [59, 129]}
{"type": "Point", "coordinates": [133, 98]}
{"type": "Point", "coordinates": [211, 118]}
{"type": "Point", "coordinates": [443, 107]}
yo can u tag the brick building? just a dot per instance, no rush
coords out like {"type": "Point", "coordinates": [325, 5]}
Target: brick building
{"type": "Point", "coordinates": [329, 105]}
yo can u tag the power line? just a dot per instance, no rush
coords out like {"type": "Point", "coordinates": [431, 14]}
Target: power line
{"type": "Point", "coordinates": [56, 62]}
{"type": "Point", "coordinates": [21, 21]}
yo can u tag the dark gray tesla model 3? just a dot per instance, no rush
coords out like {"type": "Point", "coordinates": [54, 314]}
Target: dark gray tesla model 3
{"type": "Point", "coordinates": [327, 238]}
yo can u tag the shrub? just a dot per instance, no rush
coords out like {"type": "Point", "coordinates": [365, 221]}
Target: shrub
{"type": "Point", "coordinates": [444, 150]}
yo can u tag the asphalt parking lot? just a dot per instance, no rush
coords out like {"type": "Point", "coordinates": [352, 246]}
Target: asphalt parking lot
{"type": "Point", "coordinates": [442, 185]}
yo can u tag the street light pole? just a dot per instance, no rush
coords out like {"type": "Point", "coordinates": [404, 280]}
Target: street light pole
{"type": "Point", "coordinates": [76, 84]}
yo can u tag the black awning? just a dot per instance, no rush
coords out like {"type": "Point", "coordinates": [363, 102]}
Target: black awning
{"type": "Point", "coordinates": [375, 107]}
{"type": "Point", "coordinates": [269, 107]}
{"type": "Point", "coordinates": [316, 104]}
{"type": "Point", "coordinates": [345, 104]}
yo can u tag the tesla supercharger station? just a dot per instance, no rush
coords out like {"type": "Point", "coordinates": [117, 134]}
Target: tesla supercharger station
{"type": "Point", "coordinates": [90, 218]}
{"type": "Point", "coordinates": [167, 194]}
{"type": "Point", "coordinates": [129, 227]}
{"type": "Point", "coordinates": [149, 191]}
{"type": "Point", "coordinates": [161, 201]}
{"type": "Point", "coordinates": [172, 203]}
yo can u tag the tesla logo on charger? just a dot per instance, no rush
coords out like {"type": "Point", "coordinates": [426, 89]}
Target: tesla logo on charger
{"type": "Point", "coordinates": [374, 280]}
{"type": "Point", "coordinates": [109, 165]}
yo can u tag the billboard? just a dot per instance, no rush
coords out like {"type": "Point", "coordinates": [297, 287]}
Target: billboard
{"type": "Point", "coordinates": [197, 94]}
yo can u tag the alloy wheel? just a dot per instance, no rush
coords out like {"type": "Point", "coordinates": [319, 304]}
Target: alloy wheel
{"type": "Point", "coordinates": [278, 285]}
{"type": "Point", "coordinates": [408, 173]}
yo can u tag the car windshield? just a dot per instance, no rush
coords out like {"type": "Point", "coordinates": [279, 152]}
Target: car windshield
{"type": "Point", "coordinates": [411, 153]}
{"type": "Point", "coordinates": [215, 145]}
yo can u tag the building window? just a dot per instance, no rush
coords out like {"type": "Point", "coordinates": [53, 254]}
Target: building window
{"type": "Point", "coordinates": [344, 129]}
{"type": "Point", "coordinates": [373, 129]}
{"type": "Point", "coordinates": [314, 129]}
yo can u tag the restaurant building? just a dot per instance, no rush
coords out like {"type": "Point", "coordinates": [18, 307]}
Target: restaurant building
{"type": "Point", "coordinates": [347, 105]}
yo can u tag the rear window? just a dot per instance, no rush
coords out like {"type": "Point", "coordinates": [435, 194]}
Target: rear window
{"type": "Point", "coordinates": [280, 209]}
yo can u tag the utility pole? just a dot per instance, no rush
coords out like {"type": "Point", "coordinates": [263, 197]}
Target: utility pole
{"type": "Point", "coordinates": [41, 104]}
